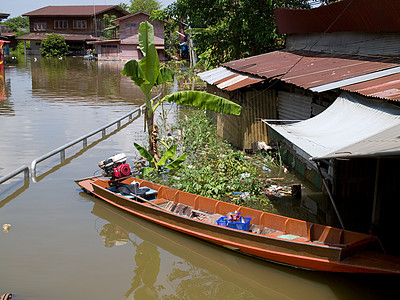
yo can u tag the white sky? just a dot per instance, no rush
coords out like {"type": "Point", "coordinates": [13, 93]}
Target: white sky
{"type": "Point", "coordinates": [19, 7]}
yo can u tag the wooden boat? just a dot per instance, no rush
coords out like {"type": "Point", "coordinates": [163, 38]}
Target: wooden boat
{"type": "Point", "coordinates": [269, 237]}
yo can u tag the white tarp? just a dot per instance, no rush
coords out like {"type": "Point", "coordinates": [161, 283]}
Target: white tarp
{"type": "Point", "coordinates": [351, 126]}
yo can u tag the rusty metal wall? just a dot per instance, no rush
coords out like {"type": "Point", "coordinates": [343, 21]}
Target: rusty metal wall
{"type": "Point", "coordinates": [258, 105]}
{"type": "Point", "coordinates": [242, 130]}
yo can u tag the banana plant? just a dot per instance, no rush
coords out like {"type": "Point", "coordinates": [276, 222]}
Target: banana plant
{"type": "Point", "coordinates": [148, 73]}
{"type": "Point", "coordinates": [168, 161]}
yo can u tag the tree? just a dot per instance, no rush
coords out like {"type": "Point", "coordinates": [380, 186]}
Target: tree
{"type": "Point", "coordinates": [18, 25]}
{"type": "Point", "coordinates": [54, 45]}
{"type": "Point", "coordinates": [141, 5]}
{"type": "Point", "coordinates": [109, 33]}
{"type": "Point", "coordinates": [149, 73]}
{"type": "Point", "coordinates": [226, 30]}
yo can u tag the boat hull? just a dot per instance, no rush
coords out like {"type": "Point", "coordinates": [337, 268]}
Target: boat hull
{"type": "Point", "coordinates": [300, 254]}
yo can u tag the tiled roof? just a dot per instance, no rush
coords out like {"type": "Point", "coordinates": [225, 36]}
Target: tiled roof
{"type": "Point", "coordinates": [375, 77]}
{"type": "Point", "coordinates": [73, 10]}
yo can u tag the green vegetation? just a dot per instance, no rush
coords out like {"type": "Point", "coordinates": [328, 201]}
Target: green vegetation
{"type": "Point", "coordinates": [54, 45]}
{"type": "Point", "coordinates": [108, 34]}
{"type": "Point", "coordinates": [213, 168]}
{"type": "Point", "coordinates": [141, 5]}
{"type": "Point", "coordinates": [168, 161]}
{"type": "Point", "coordinates": [149, 73]}
{"type": "Point", "coordinates": [18, 25]}
{"type": "Point", "coordinates": [226, 30]}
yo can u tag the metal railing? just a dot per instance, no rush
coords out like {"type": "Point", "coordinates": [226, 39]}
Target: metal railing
{"type": "Point", "coordinates": [83, 139]}
{"type": "Point", "coordinates": [24, 169]}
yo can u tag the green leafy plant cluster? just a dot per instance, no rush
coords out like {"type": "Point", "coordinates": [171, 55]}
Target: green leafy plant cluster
{"type": "Point", "coordinates": [149, 73]}
{"type": "Point", "coordinates": [212, 169]}
{"type": "Point", "coordinates": [168, 161]}
{"type": "Point", "coordinates": [54, 45]}
{"type": "Point", "coordinates": [226, 30]}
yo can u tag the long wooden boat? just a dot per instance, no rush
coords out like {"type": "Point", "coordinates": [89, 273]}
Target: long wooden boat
{"type": "Point", "coordinates": [269, 237]}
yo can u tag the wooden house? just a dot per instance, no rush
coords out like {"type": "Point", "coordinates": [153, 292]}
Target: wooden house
{"type": "Point", "coordinates": [76, 23]}
{"type": "Point", "coordinates": [126, 47]}
{"type": "Point", "coordinates": [336, 55]}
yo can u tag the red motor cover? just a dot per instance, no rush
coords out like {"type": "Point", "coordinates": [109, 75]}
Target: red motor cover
{"type": "Point", "coordinates": [122, 170]}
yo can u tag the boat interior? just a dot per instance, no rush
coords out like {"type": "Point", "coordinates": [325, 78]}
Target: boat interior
{"type": "Point", "coordinates": [264, 223]}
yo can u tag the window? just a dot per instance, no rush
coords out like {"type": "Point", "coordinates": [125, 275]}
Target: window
{"type": "Point", "coordinates": [39, 26]}
{"type": "Point", "coordinates": [80, 24]}
{"type": "Point", "coordinates": [130, 25]}
{"type": "Point", "coordinates": [60, 24]}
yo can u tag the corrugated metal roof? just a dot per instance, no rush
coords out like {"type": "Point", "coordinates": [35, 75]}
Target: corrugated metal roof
{"type": "Point", "coordinates": [228, 80]}
{"type": "Point", "coordinates": [73, 10]}
{"type": "Point", "coordinates": [308, 69]}
{"type": "Point", "coordinates": [387, 87]}
{"type": "Point", "coordinates": [364, 75]}
{"type": "Point", "coordinates": [346, 15]}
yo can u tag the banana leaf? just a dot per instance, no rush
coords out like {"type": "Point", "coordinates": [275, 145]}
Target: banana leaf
{"type": "Point", "coordinates": [205, 101]}
{"type": "Point", "coordinates": [167, 155]}
{"type": "Point", "coordinates": [177, 162]}
{"type": "Point", "coordinates": [143, 152]}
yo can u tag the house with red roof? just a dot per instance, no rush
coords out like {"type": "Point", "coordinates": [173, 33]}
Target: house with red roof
{"type": "Point", "coordinates": [78, 24]}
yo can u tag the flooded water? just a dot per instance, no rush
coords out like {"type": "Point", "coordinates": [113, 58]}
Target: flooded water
{"type": "Point", "coordinates": [65, 244]}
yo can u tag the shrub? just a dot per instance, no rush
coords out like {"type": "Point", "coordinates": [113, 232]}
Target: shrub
{"type": "Point", "coordinates": [54, 45]}
{"type": "Point", "coordinates": [213, 168]}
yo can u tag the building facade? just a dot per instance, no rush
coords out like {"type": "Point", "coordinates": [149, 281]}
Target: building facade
{"type": "Point", "coordinates": [77, 24]}
{"type": "Point", "coordinates": [127, 46]}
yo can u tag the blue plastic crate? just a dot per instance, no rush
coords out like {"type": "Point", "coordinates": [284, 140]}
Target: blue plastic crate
{"type": "Point", "coordinates": [223, 221]}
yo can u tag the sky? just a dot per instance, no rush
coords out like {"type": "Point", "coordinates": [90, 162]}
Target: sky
{"type": "Point", "coordinates": [19, 7]}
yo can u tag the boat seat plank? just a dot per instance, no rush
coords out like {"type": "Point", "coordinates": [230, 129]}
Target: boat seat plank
{"type": "Point", "coordinates": [205, 203]}
{"type": "Point", "coordinates": [326, 234]}
{"type": "Point", "coordinates": [186, 198]}
{"type": "Point", "coordinates": [152, 185]}
{"type": "Point", "coordinates": [167, 193]}
{"type": "Point", "coordinates": [255, 215]}
{"type": "Point", "coordinates": [160, 201]}
{"type": "Point", "coordinates": [297, 227]}
{"type": "Point", "coordinates": [273, 221]}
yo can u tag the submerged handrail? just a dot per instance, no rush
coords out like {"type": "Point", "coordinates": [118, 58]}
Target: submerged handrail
{"type": "Point", "coordinates": [14, 173]}
{"type": "Point", "coordinates": [83, 139]}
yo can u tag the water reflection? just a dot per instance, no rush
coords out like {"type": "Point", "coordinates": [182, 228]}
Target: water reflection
{"type": "Point", "coordinates": [6, 189]}
{"type": "Point", "coordinates": [80, 82]}
{"type": "Point", "coordinates": [49, 102]}
{"type": "Point", "coordinates": [170, 265]}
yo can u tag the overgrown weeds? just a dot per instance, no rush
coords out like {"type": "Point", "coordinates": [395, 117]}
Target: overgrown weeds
{"type": "Point", "coordinates": [213, 167]}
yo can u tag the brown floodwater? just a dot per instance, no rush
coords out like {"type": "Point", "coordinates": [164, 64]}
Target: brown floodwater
{"type": "Point", "coordinates": [65, 244]}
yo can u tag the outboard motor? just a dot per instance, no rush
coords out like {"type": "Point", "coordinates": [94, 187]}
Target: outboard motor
{"type": "Point", "coordinates": [115, 166]}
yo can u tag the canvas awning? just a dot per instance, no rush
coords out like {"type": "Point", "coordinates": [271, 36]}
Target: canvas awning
{"type": "Point", "coordinates": [351, 127]}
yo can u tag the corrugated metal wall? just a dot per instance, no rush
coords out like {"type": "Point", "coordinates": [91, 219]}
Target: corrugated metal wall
{"type": "Point", "coordinates": [258, 105]}
{"type": "Point", "coordinates": [293, 106]}
{"type": "Point", "coordinates": [242, 130]}
{"type": "Point", "coordinates": [347, 43]}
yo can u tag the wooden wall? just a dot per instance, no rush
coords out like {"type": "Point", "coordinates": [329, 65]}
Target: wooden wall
{"type": "Point", "coordinates": [129, 29]}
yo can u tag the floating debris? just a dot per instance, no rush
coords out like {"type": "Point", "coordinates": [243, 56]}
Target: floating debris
{"type": "Point", "coordinates": [6, 227]}
{"type": "Point", "coordinates": [277, 191]}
